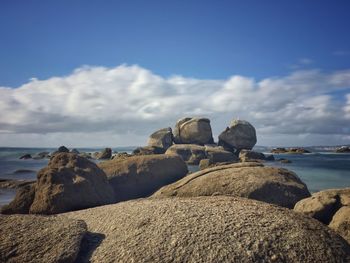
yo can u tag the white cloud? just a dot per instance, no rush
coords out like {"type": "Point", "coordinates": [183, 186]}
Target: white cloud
{"type": "Point", "coordinates": [123, 105]}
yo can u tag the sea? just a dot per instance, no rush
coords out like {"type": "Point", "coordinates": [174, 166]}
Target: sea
{"type": "Point", "coordinates": [318, 170]}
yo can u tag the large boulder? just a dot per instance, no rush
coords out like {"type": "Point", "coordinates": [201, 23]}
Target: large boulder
{"type": "Point", "coordinates": [162, 138]}
{"type": "Point", "coordinates": [190, 153]}
{"type": "Point", "coordinates": [331, 207]}
{"type": "Point", "coordinates": [251, 180]}
{"type": "Point", "coordinates": [140, 176]}
{"type": "Point", "coordinates": [193, 131]}
{"type": "Point", "coordinates": [35, 239]}
{"type": "Point", "coordinates": [218, 154]}
{"type": "Point", "coordinates": [70, 182]}
{"type": "Point", "coordinates": [240, 135]}
{"type": "Point", "coordinates": [22, 202]}
{"type": "Point", "coordinates": [207, 229]}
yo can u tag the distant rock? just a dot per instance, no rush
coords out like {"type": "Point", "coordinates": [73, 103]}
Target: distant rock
{"type": "Point", "coordinates": [22, 201]}
{"type": "Point", "coordinates": [343, 149]}
{"type": "Point", "coordinates": [283, 160]}
{"type": "Point", "coordinates": [331, 207]}
{"type": "Point", "coordinates": [251, 180]}
{"type": "Point", "coordinates": [290, 150]}
{"type": "Point", "coordinates": [190, 153]}
{"type": "Point", "coordinates": [240, 135]}
{"type": "Point", "coordinates": [104, 154]}
{"type": "Point", "coordinates": [41, 155]}
{"type": "Point", "coordinates": [35, 239]}
{"type": "Point", "coordinates": [207, 229]}
{"type": "Point", "coordinates": [140, 176]}
{"type": "Point", "coordinates": [162, 138]}
{"type": "Point", "coordinates": [23, 171]}
{"type": "Point", "coordinates": [193, 131]}
{"type": "Point", "coordinates": [148, 150]}
{"type": "Point", "coordinates": [11, 184]}
{"type": "Point", "coordinates": [25, 156]}
{"type": "Point", "coordinates": [63, 149]}
{"type": "Point", "coordinates": [74, 151]}
{"type": "Point", "coordinates": [70, 182]}
{"type": "Point", "coordinates": [85, 155]}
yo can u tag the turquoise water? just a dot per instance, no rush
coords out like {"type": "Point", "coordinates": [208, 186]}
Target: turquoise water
{"type": "Point", "coordinates": [319, 171]}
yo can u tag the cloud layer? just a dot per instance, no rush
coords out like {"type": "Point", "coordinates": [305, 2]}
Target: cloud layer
{"type": "Point", "coordinates": [123, 105]}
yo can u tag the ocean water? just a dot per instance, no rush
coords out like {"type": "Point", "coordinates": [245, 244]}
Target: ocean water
{"type": "Point", "coordinates": [323, 170]}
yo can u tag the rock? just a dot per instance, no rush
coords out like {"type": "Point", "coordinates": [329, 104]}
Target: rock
{"type": "Point", "coordinates": [283, 160]}
{"type": "Point", "coordinates": [219, 154]}
{"type": "Point", "coordinates": [32, 238]}
{"type": "Point", "coordinates": [240, 135]}
{"type": "Point", "coordinates": [41, 155]}
{"type": "Point", "coordinates": [331, 207]}
{"type": "Point", "coordinates": [269, 157]}
{"type": "Point", "coordinates": [193, 131]}
{"type": "Point", "coordinates": [248, 155]}
{"type": "Point", "coordinates": [204, 163]}
{"type": "Point", "coordinates": [23, 171]}
{"type": "Point", "coordinates": [74, 151]}
{"type": "Point", "coordinates": [290, 150]}
{"type": "Point", "coordinates": [22, 202]}
{"type": "Point", "coordinates": [341, 222]}
{"type": "Point", "coordinates": [140, 176]}
{"type": "Point", "coordinates": [343, 149]}
{"type": "Point", "coordinates": [85, 155]}
{"type": "Point", "coordinates": [63, 149]}
{"type": "Point", "coordinates": [207, 229]}
{"type": "Point", "coordinates": [10, 184]}
{"type": "Point", "coordinates": [251, 180]}
{"type": "Point", "coordinates": [190, 153]}
{"type": "Point", "coordinates": [104, 154]}
{"type": "Point", "coordinates": [122, 155]}
{"type": "Point", "coordinates": [70, 182]}
{"type": "Point", "coordinates": [148, 150]}
{"type": "Point", "coordinates": [25, 156]}
{"type": "Point", "coordinates": [162, 138]}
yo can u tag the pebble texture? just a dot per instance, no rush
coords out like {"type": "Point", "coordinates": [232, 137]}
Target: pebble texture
{"type": "Point", "coordinates": [30, 238]}
{"type": "Point", "coordinates": [251, 180]}
{"type": "Point", "coordinates": [206, 229]}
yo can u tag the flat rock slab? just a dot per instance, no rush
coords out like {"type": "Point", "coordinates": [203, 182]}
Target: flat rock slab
{"type": "Point", "coordinates": [207, 229]}
{"type": "Point", "coordinates": [30, 238]}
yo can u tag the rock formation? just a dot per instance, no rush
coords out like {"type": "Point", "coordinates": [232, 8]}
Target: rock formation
{"type": "Point", "coordinates": [298, 150]}
{"type": "Point", "coordinates": [190, 153]}
{"type": "Point", "coordinates": [140, 176]}
{"type": "Point", "coordinates": [162, 138]}
{"type": "Point", "coordinates": [148, 150]}
{"type": "Point", "coordinates": [331, 207]}
{"type": "Point", "coordinates": [22, 202]}
{"type": "Point", "coordinates": [193, 131]}
{"type": "Point", "coordinates": [104, 154]}
{"type": "Point", "coordinates": [240, 135]}
{"type": "Point", "coordinates": [251, 180]}
{"type": "Point", "coordinates": [207, 229]}
{"type": "Point", "coordinates": [35, 239]}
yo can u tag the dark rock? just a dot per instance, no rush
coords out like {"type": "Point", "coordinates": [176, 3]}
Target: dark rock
{"type": "Point", "coordinates": [63, 149]}
{"type": "Point", "coordinates": [22, 202]}
{"type": "Point", "coordinates": [290, 150]}
{"type": "Point", "coordinates": [104, 154]}
{"type": "Point", "coordinates": [41, 155]}
{"type": "Point", "coordinates": [74, 151]}
{"type": "Point", "coordinates": [25, 156]}
{"type": "Point", "coordinates": [140, 176]}
{"type": "Point", "coordinates": [343, 149]}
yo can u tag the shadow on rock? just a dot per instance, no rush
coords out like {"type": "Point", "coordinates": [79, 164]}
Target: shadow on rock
{"type": "Point", "coordinates": [90, 242]}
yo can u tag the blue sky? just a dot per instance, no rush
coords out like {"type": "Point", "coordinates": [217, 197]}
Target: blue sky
{"type": "Point", "coordinates": [202, 39]}
{"type": "Point", "coordinates": [108, 73]}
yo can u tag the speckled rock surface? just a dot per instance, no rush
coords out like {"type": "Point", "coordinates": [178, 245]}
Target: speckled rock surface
{"type": "Point", "coordinates": [330, 207]}
{"type": "Point", "coordinates": [206, 229]}
{"type": "Point", "coordinates": [30, 238]}
{"type": "Point", "coordinates": [252, 180]}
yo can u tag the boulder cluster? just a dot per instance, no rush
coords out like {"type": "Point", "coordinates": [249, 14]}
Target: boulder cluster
{"type": "Point", "coordinates": [234, 209]}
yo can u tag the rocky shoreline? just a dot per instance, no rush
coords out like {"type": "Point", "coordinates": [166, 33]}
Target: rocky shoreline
{"type": "Point", "coordinates": [234, 209]}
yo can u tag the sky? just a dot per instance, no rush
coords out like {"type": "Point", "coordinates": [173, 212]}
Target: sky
{"type": "Point", "coordinates": [109, 73]}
